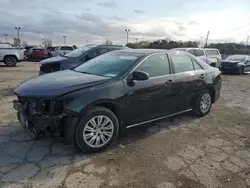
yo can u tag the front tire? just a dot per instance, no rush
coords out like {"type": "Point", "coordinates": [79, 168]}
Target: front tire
{"type": "Point", "coordinates": [241, 70]}
{"type": "Point", "coordinates": [203, 103]}
{"type": "Point", "coordinates": [97, 130]}
{"type": "Point", "coordinates": [10, 61]}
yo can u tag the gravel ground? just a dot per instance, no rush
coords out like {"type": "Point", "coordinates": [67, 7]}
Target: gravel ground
{"type": "Point", "coordinates": [181, 152]}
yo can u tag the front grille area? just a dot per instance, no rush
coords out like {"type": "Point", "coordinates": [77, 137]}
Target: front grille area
{"type": "Point", "coordinates": [37, 107]}
{"type": "Point", "coordinates": [228, 65]}
{"type": "Point", "coordinates": [47, 68]}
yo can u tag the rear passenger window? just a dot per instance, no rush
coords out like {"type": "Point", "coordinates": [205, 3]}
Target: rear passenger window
{"type": "Point", "coordinates": [216, 52]}
{"type": "Point", "coordinates": [182, 63]}
{"type": "Point", "coordinates": [212, 52]}
{"type": "Point", "coordinates": [209, 52]}
{"type": "Point", "coordinates": [191, 51]}
{"type": "Point", "coordinates": [197, 66]}
{"type": "Point", "coordinates": [155, 65]}
{"type": "Point", "coordinates": [198, 53]}
{"type": "Point", "coordinates": [98, 52]}
{"type": "Point", "coordinates": [103, 50]}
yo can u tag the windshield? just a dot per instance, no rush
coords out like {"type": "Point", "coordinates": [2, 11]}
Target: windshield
{"type": "Point", "coordinates": [236, 58]}
{"type": "Point", "coordinates": [110, 64]}
{"type": "Point", "coordinates": [78, 52]}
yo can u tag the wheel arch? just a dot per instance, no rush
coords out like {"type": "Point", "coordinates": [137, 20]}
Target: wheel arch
{"type": "Point", "coordinates": [10, 55]}
{"type": "Point", "coordinates": [212, 90]}
{"type": "Point", "coordinates": [107, 103]}
{"type": "Point", "coordinates": [74, 118]}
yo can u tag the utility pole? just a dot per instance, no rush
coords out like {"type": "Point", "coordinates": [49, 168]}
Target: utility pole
{"type": "Point", "coordinates": [6, 37]}
{"type": "Point", "coordinates": [18, 28]}
{"type": "Point", "coordinates": [207, 39]}
{"type": "Point", "coordinates": [127, 31]}
{"type": "Point", "coordinates": [136, 39]}
{"type": "Point", "coordinates": [64, 39]}
{"type": "Point", "coordinates": [247, 40]}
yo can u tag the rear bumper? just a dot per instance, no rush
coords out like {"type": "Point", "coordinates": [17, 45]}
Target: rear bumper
{"type": "Point", "coordinates": [217, 90]}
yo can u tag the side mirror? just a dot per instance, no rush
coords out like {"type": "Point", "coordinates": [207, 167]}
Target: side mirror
{"type": "Point", "coordinates": [138, 75]}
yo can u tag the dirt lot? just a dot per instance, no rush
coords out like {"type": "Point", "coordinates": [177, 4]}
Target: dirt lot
{"type": "Point", "coordinates": [181, 152]}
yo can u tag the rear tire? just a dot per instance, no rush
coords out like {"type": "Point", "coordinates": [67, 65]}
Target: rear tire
{"type": "Point", "coordinates": [96, 130]}
{"type": "Point", "coordinates": [203, 103]}
{"type": "Point", "coordinates": [10, 61]}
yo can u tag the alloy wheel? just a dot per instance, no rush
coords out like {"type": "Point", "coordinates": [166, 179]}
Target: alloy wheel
{"type": "Point", "coordinates": [11, 61]}
{"type": "Point", "coordinates": [98, 131]}
{"type": "Point", "coordinates": [205, 103]}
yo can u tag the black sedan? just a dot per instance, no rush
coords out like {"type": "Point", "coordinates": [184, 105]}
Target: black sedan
{"type": "Point", "coordinates": [75, 58]}
{"type": "Point", "coordinates": [238, 64]}
{"type": "Point", "coordinates": [120, 89]}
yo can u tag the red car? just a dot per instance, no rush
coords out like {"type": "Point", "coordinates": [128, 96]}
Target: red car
{"type": "Point", "coordinates": [37, 54]}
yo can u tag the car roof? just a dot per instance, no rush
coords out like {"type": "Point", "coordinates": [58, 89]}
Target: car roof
{"type": "Point", "coordinates": [107, 46]}
{"type": "Point", "coordinates": [146, 52]}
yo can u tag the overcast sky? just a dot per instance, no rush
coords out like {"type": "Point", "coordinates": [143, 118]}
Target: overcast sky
{"type": "Point", "coordinates": [97, 20]}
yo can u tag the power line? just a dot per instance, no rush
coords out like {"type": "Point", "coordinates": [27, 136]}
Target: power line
{"type": "Point", "coordinates": [239, 27]}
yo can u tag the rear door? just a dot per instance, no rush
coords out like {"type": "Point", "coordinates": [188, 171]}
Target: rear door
{"type": "Point", "coordinates": [152, 98]}
{"type": "Point", "coordinates": [189, 78]}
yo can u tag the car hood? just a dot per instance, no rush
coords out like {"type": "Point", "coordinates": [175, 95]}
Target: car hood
{"type": "Point", "coordinates": [54, 60]}
{"type": "Point", "coordinates": [57, 84]}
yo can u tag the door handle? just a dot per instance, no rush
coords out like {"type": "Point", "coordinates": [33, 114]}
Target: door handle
{"type": "Point", "coordinates": [202, 76]}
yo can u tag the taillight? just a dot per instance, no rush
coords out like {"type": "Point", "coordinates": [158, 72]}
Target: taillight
{"type": "Point", "coordinates": [25, 53]}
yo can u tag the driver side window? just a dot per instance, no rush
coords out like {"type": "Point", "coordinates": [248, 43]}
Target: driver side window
{"type": "Point", "coordinates": [97, 52]}
{"type": "Point", "coordinates": [155, 65]}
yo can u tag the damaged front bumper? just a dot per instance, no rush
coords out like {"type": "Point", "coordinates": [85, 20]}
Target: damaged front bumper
{"type": "Point", "coordinates": [34, 122]}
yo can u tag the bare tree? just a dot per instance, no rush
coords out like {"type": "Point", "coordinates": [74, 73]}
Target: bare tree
{"type": "Point", "coordinates": [16, 42]}
{"type": "Point", "coordinates": [24, 43]}
{"type": "Point", "coordinates": [47, 42]}
{"type": "Point", "coordinates": [108, 42]}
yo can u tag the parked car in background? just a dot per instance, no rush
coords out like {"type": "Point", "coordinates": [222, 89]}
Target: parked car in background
{"type": "Point", "coordinates": [75, 58]}
{"type": "Point", "coordinates": [49, 50]}
{"type": "Point", "coordinates": [37, 54]}
{"type": "Point", "coordinates": [210, 55]}
{"type": "Point", "coordinates": [61, 50]}
{"type": "Point", "coordinates": [10, 55]}
{"type": "Point", "coordinates": [120, 89]}
{"type": "Point", "coordinates": [238, 64]}
{"type": "Point", "coordinates": [27, 48]}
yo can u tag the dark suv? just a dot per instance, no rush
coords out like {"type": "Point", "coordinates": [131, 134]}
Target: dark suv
{"type": "Point", "coordinates": [75, 58]}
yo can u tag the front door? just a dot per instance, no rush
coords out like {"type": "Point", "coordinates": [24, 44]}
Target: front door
{"type": "Point", "coordinates": [152, 98]}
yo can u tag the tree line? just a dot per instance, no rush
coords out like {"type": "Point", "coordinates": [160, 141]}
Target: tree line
{"type": "Point", "coordinates": [224, 48]}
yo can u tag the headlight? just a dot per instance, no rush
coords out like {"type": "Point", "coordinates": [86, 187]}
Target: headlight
{"type": "Point", "coordinates": [50, 107]}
